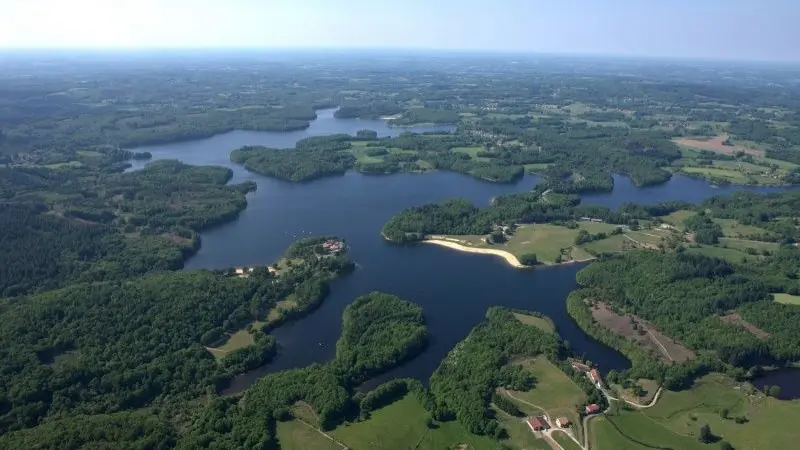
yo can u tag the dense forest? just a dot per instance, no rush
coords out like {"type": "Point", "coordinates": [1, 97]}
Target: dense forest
{"type": "Point", "coordinates": [96, 348]}
{"type": "Point", "coordinates": [88, 225]}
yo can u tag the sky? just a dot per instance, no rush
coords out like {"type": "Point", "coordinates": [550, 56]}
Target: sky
{"type": "Point", "coordinates": [764, 30]}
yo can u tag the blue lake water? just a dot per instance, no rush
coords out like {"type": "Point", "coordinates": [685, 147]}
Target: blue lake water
{"type": "Point", "coordinates": [455, 289]}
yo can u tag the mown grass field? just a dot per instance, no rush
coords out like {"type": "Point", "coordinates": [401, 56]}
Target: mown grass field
{"type": "Point", "coordinates": [545, 240]}
{"type": "Point", "coordinates": [787, 299]}
{"type": "Point", "coordinates": [544, 324]}
{"type": "Point", "coordinates": [239, 339]}
{"type": "Point", "coordinates": [732, 228]}
{"type": "Point", "coordinates": [676, 419]}
{"type": "Point", "coordinates": [401, 425]}
{"type": "Point", "coordinates": [537, 167]}
{"type": "Point", "coordinates": [472, 152]}
{"type": "Point", "coordinates": [519, 434]}
{"type": "Point", "coordinates": [677, 218]}
{"type": "Point", "coordinates": [744, 244]}
{"type": "Point", "coordinates": [614, 244]}
{"type": "Point", "coordinates": [728, 254]}
{"type": "Point", "coordinates": [554, 392]}
{"type": "Point", "coordinates": [295, 435]}
{"type": "Point", "coordinates": [726, 174]}
{"type": "Point", "coordinates": [565, 441]}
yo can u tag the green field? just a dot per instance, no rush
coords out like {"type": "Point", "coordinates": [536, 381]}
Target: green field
{"type": "Point", "coordinates": [677, 417]}
{"type": "Point", "coordinates": [542, 323]}
{"type": "Point", "coordinates": [732, 228]}
{"type": "Point", "coordinates": [295, 435]}
{"type": "Point", "coordinates": [787, 299]}
{"type": "Point", "coordinates": [538, 167]}
{"type": "Point", "coordinates": [472, 152]}
{"type": "Point", "coordinates": [744, 244]}
{"type": "Point", "coordinates": [402, 425]}
{"type": "Point", "coordinates": [649, 237]}
{"type": "Point", "coordinates": [726, 174]}
{"type": "Point", "coordinates": [614, 244]}
{"type": "Point", "coordinates": [554, 392]}
{"type": "Point", "coordinates": [728, 254]}
{"type": "Point", "coordinates": [239, 339]}
{"type": "Point", "coordinates": [545, 240]}
{"type": "Point", "coordinates": [677, 218]}
{"type": "Point", "coordinates": [519, 434]}
{"type": "Point", "coordinates": [565, 441]}
{"type": "Point", "coordinates": [634, 431]}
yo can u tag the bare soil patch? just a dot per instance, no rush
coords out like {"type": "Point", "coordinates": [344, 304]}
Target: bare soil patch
{"type": "Point", "coordinates": [715, 145]}
{"type": "Point", "coordinates": [736, 319]}
{"type": "Point", "coordinates": [642, 332]}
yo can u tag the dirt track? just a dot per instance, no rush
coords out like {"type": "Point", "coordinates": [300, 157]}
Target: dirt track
{"type": "Point", "coordinates": [642, 332]}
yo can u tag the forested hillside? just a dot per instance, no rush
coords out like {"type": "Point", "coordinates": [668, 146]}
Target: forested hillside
{"type": "Point", "coordinates": [706, 304]}
{"type": "Point", "coordinates": [89, 225]}
{"type": "Point", "coordinates": [378, 332]}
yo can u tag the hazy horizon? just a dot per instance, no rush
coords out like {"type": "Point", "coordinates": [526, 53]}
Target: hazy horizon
{"type": "Point", "coordinates": [680, 29]}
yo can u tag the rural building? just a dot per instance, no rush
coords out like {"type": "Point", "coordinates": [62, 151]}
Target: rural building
{"type": "Point", "coordinates": [562, 422]}
{"type": "Point", "coordinates": [594, 375]}
{"type": "Point", "coordinates": [333, 246]}
{"type": "Point", "coordinates": [538, 424]}
{"type": "Point", "coordinates": [580, 367]}
{"type": "Point", "coordinates": [594, 408]}
{"type": "Point", "coordinates": [239, 271]}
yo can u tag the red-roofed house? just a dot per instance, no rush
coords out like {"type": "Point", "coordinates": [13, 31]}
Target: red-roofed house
{"type": "Point", "coordinates": [562, 422]}
{"type": "Point", "coordinates": [537, 424]}
{"type": "Point", "coordinates": [596, 378]}
{"type": "Point", "coordinates": [594, 408]}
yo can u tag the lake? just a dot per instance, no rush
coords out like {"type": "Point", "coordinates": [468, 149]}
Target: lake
{"type": "Point", "coordinates": [454, 289]}
{"type": "Point", "coordinates": [788, 379]}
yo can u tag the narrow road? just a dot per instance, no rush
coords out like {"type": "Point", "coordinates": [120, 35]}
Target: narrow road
{"type": "Point", "coordinates": [585, 446]}
{"type": "Point", "coordinates": [504, 391]}
{"type": "Point", "coordinates": [655, 339]}
{"type": "Point", "coordinates": [634, 404]}
{"type": "Point", "coordinates": [323, 433]}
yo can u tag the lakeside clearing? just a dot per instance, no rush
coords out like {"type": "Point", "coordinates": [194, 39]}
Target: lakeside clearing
{"type": "Point", "coordinates": [788, 299]}
{"type": "Point", "coordinates": [552, 244]}
{"type": "Point", "coordinates": [543, 323]}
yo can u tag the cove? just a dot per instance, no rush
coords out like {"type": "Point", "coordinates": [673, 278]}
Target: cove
{"type": "Point", "coordinates": [788, 379]}
{"type": "Point", "coordinates": [453, 288]}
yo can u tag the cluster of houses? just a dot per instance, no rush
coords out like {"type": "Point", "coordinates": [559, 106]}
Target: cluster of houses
{"type": "Point", "coordinates": [244, 272]}
{"type": "Point", "coordinates": [595, 378]}
{"type": "Point", "coordinates": [332, 246]}
{"type": "Point", "coordinates": [539, 423]}
{"type": "Point", "coordinates": [593, 374]}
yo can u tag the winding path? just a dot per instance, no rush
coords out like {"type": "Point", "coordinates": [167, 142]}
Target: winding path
{"type": "Point", "coordinates": [585, 446]}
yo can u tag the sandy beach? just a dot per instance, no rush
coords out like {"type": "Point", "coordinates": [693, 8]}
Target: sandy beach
{"type": "Point", "coordinates": [510, 259]}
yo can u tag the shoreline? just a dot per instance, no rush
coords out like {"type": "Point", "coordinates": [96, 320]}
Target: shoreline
{"type": "Point", "coordinates": [507, 256]}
